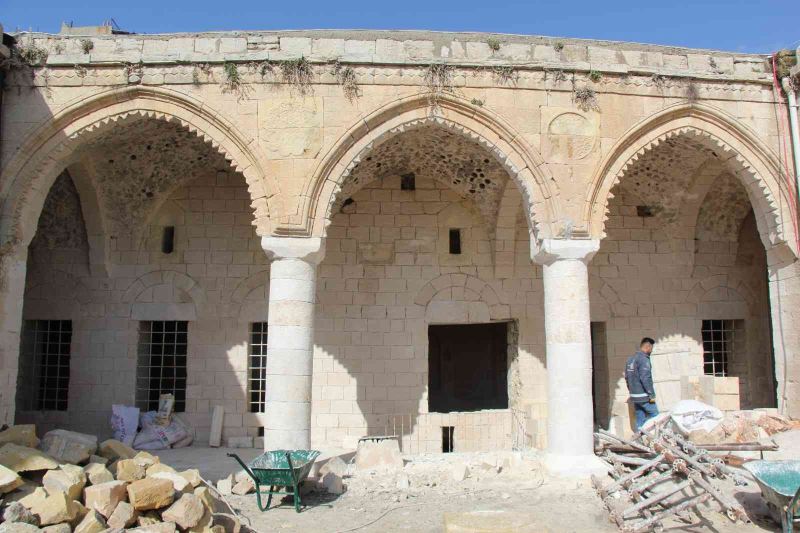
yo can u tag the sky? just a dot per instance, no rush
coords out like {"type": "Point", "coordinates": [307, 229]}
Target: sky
{"type": "Point", "coordinates": [755, 26]}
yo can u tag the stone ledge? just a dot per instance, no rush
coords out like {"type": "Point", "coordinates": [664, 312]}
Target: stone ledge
{"type": "Point", "coordinates": [406, 48]}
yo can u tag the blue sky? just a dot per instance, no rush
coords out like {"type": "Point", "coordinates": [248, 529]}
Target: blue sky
{"type": "Point", "coordinates": [747, 26]}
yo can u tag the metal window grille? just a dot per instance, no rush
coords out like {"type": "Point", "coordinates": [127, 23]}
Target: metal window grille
{"type": "Point", "coordinates": [718, 346]}
{"type": "Point", "coordinates": [44, 374]}
{"type": "Point", "coordinates": [161, 365]}
{"type": "Point", "coordinates": [257, 367]}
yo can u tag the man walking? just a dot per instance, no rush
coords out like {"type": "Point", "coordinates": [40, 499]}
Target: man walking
{"type": "Point", "coordinates": [639, 377]}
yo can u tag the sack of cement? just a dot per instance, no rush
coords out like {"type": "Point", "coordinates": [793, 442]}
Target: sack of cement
{"type": "Point", "coordinates": [690, 415]}
{"type": "Point", "coordinates": [124, 421]}
{"type": "Point", "coordinates": [166, 403]}
{"type": "Point", "coordinates": [154, 436]}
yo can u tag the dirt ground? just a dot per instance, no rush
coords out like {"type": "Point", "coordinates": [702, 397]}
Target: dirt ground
{"type": "Point", "coordinates": [520, 497]}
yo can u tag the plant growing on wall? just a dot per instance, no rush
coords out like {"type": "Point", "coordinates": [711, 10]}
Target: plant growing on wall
{"type": "Point", "coordinates": [585, 98]}
{"type": "Point", "coordinates": [504, 74]}
{"type": "Point", "coordinates": [476, 102]}
{"type": "Point", "coordinates": [595, 76]}
{"type": "Point", "coordinates": [493, 43]}
{"type": "Point", "coordinates": [86, 45]}
{"type": "Point", "coordinates": [233, 80]}
{"type": "Point", "coordinates": [299, 74]}
{"type": "Point", "coordinates": [81, 71]}
{"type": "Point", "coordinates": [438, 81]}
{"type": "Point", "coordinates": [558, 46]}
{"type": "Point", "coordinates": [25, 57]}
{"type": "Point", "coordinates": [659, 81]}
{"type": "Point", "coordinates": [346, 77]}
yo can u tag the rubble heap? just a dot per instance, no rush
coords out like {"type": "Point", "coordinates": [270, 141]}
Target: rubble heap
{"type": "Point", "coordinates": [67, 482]}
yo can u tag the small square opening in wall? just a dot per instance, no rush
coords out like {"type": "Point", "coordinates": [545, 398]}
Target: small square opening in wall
{"type": "Point", "coordinates": [455, 241]}
{"type": "Point", "coordinates": [447, 439]}
{"type": "Point", "coordinates": [408, 182]}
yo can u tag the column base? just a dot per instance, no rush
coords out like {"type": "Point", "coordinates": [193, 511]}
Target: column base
{"type": "Point", "coordinates": [574, 466]}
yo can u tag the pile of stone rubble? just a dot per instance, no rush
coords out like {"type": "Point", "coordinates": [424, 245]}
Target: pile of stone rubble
{"type": "Point", "coordinates": [67, 482]}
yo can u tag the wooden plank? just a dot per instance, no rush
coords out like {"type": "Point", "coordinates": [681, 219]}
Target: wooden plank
{"type": "Point", "coordinates": [216, 426]}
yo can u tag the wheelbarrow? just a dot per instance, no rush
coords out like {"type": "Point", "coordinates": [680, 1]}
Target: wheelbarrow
{"type": "Point", "coordinates": [780, 488]}
{"type": "Point", "coordinates": [280, 470]}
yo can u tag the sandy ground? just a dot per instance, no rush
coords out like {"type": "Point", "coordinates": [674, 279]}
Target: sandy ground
{"type": "Point", "coordinates": [418, 498]}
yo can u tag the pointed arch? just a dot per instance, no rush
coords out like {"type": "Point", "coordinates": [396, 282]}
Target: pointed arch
{"type": "Point", "coordinates": [523, 164]}
{"type": "Point", "coordinates": [27, 177]}
{"type": "Point", "coordinates": [746, 156]}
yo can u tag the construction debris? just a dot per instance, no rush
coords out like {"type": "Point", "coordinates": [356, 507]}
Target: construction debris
{"type": "Point", "coordinates": [668, 469]}
{"type": "Point", "coordinates": [135, 491]}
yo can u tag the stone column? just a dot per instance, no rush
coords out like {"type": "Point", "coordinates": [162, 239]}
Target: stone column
{"type": "Point", "coordinates": [570, 419]}
{"type": "Point", "coordinates": [290, 340]}
{"type": "Point", "coordinates": [13, 267]}
{"type": "Point", "coordinates": [784, 301]}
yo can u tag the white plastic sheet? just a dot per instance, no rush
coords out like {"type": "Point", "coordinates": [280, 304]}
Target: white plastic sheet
{"type": "Point", "coordinates": [691, 415]}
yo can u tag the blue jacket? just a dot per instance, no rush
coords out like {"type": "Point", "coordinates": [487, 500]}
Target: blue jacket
{"type": "Point", "coordinates": [639, 377]}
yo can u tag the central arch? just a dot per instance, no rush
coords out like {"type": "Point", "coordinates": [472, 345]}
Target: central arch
{"type": "Point", "coordinates": [28, 176]}
{"type": "Point", "coordinates": [525, 167]}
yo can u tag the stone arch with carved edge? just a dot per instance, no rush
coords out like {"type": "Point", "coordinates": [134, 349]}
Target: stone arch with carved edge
{"type": "Point", "coordinates": [28, 176]}
{"type": "Point", "coordinates": [746, 157]}
{"type": "Point", "coordinates": [178, 280]}
{"type": "Point", "coordinates": [469, 289]}
{"type": "Point", "coordinates": [523, 165]}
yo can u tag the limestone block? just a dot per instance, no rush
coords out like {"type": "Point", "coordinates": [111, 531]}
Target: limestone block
{"type": "Point", "coordinates": [123, 516]}
{"type": "Point", "coordinates": [130, 470]}
{"type": "Point", "coordinates": [97, 473]}
{"type": "Point", "coordinates": [24, 459]}
{"type": "Point", "coordinates": [93, 522]}
{"type": "Point", "coordinates": [160, 467]}
{"type": "Point", "coordinates": [459, 472]}
{"type": "Point", "coordinates": [151, 493]}
{"type": "Point", "coordinates": [243, 486]}
{"type": "Point", "coordinates": [98, 459]}
{"type": "Point", "coordinates": [148, 518]}
{"type": "Point", "coordinates": [57, 507]}
{"type": "Point", "coordinates": [296, 45]}
{"type": "Point", "coordinates": [186, 512]}
{"type": "Point", "coordinates": [58, 528]}
{"type": "Point", "coordinates": [229, 523]}
{"type": "Point", "coordinates": [18, 527]}
{"type": "Point", "coordinates": [159, 527]}
{"type": "Point", "coordinates": [104, 497]}
{"type": "Point", "coordinates": [16, 512]}
{"type": "Point", "coordinates": [69, 479]}
{"type": "Point", "coordinates": [333, 483]}
{"type": "Point", "coordinates": [9, 480]}
{"type": "Point", "coordinates": [179, 482]}
{"type": "Point", "coordinates": [726, 385]}
{"type": "Point", "coordinates": [113, 449]}
{"type": "Point", "coordinates": [192, 476]}
{"type": "Point", "coordinates": [23, 435]}
{"type": "Point", "coordinates": [380, 455]}
{"type": "Point", "coordinates": [35, 497]}
{"type": "Point", "coordinates": [146, 459]}
{"type": "Point", "coordinates": [239, 442]}
{"type": "Point", "coordinates": [225, 485]}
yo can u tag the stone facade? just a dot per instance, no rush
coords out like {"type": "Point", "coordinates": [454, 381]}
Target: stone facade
{"type": "Point", "coordinates": [607, 189]}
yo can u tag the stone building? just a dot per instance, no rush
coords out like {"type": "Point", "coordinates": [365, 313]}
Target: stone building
{"type": "Point", "coordinates": [458, 238]}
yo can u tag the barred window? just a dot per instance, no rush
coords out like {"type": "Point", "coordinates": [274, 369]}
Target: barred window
{"type": "Point", "coordinates": [161, 364]}
{"type": "Point", "coordinates": [257, 367]}
{"type": "Point", "coordinates": [721, 339]}
{"type": "Point", "coordinates": [44, 372]}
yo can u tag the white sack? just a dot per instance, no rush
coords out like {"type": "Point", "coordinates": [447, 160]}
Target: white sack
{"type": "Point", "coordinates": [691, 415]}
{"type": "Point", "coordinates": [124, 421]}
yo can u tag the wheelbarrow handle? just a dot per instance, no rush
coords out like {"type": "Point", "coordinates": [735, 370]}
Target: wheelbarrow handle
{"type": "Point", "coordinates": [246, 468]}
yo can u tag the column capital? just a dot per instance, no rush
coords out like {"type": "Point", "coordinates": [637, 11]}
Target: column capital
{"type": "Point", "coordinates": [548, 251]}
{"type": "Point", "coordinates": [308, 249]}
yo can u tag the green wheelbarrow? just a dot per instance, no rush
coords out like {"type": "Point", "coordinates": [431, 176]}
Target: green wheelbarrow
{"type": "Point", "coordinates": [780, 488]}
{"type": "Point", "coordinates": [280, 470]}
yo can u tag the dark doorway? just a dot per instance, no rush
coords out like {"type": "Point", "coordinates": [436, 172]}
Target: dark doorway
{"type": "Point", "coordinates": [468, 366]}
